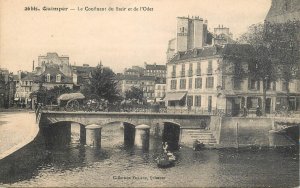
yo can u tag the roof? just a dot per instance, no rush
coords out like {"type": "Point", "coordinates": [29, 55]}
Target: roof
{"type": "Point", "coordinates": [133, 77]}
{"type": "Point", "coordinates": [132, 70]}
{"type": "Point", "coordinates": [29, 76]}
{"type": "Point", "coordinates": [53, 71]}
{"type": "Point", "coordinates": [211, 51]}
{"type": "Point", "coordinates": [155, 67]}
{"type": "Point", "coordinates": [69, 96]}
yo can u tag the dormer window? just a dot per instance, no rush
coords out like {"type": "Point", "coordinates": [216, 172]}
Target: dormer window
{"type": "Point", "coordinates": [58, 78]}
{"type": "Point", "coordinates": [48, 78]}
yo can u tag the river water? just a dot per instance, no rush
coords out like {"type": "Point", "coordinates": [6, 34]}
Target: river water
{"type": "Point", "coordinates": [53, 164]}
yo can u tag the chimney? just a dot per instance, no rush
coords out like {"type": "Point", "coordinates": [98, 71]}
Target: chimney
{"type": "Point", "coordinates": [20, 74]}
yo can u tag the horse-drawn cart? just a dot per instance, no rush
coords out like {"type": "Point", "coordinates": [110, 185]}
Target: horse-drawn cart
{"type": "Point", "coordinates": [71, 101]}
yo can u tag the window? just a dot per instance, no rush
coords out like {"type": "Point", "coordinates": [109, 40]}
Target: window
{"type": "Point", "coordinates": [26, 82]}
{"type": "Point", "coordinates": [274, 86]}
{"type": "Point", "coordinates": [190, 69]}
{"type": "Point", "coordinates": [236, 83]}
{"type": "Point", "coordinates": [198, 83]}
{"type": "Point", "coordinates": [209, 67]}
{"type": "Point", "coordinates": [189, 100]}
{"type": "Point", "coordinates": [268, 85]}
{"type": "Point", "coordinates": [48, 78]}
{"type": "Point", "coordinates": [58, 78]}
{"type": "Point", "coordinates": [198, 100]}
{"type": "Point", "coordinates": [173, 84]}
{"type": "Point", "coordinates": [182, 84]}
{"type": "Point", "coordinates": [223, 82]}
{"type": "Point", "coordinates": [285, 85]}
{"type": "Point", "coordinates": [183, 70]}
{"type": "Point", "coordinates": [252, 102]}
{"type": "Point", "coordinates": [174, 71]}
{"type": "Point", "coordinates": [198, 69]}
{"type": "Point", "coordinates": [190, 83]}
{"type": "Point", "coordinates": [253, 84]}
{"type": "Point", "coordinates": [209, 82]}
{"type": "Point", "coordinates": [158, 87]}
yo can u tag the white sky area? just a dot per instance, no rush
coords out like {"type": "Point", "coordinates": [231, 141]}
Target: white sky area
{"type": "Point", "coordinates": [118, 39]}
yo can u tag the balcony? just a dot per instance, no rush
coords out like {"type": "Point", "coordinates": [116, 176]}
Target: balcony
{"type": "Point", "coordinates": [173, 74]}
{"type": "Point", "coordinates": [182, 73]}
{"type": "Point", "coordinates": [209, 71]}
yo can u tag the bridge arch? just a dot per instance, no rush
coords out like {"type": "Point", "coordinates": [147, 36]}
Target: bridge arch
{"type": "Point", "coordinates": [112, 131]}
{"type": "Point", "coordinates": [171, 134]}
{"type": "Point", "coordinates": [59, 134]}
{"type": "Point", "coordinates": [292, 132]}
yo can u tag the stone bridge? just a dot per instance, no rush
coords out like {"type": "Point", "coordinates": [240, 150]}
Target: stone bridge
{"type": "Point", "coordinates": [171, 126]}
{"type": "Point", "coordinates": [133, 118]}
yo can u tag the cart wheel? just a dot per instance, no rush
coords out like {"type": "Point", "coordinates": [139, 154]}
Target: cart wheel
{"type": "Point", "coordinates": [72, 105]}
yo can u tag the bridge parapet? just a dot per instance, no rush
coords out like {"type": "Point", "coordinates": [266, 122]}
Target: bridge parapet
{"type": "Point", "coordinates": [134, 118]}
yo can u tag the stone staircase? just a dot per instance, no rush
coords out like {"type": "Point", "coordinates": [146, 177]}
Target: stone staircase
{"type": "Point", "coordinates": [204, 136]}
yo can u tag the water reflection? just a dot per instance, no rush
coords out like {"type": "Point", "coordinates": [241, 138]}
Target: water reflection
{"type": "Point", "coordinates": [66, 162]}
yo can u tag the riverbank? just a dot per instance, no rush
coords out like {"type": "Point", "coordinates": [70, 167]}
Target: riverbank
{"type": "Point", "coordinates": [18, 128]}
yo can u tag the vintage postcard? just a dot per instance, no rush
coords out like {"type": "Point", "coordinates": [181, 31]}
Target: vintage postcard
{"type": "Point", "coordinates": [149, 93]}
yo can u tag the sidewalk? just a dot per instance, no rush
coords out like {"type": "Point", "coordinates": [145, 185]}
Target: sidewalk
{"type": "Point", "coordinates": [17, 129]}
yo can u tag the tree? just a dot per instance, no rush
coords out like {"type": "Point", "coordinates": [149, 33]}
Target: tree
{"type": "Point", "coordinates": [260, 64]}
{"type": "Point", "coordinates": [102, 83]}
{"type": "Point", "coordinates": [275, 53]}
{"type": "Point", "coordinates": [55, 92]}
{"type": "Point", "coordinates": [135, 93]}
{"type": "Point", "coordinates": [284, 42]}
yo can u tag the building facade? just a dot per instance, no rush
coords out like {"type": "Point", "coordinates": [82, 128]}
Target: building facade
{"type": "Point", "coordinates": [202, 80]}
{"type": "Point", "coordinates": [7, 89]}
{"type": "Point", "coordinates": [145, 83]}
{"type": "Point", "coordinates": [222, 35]}
{"type": "Point", "coordinates": [155, 70]}
{"type": "Point", "coordinates": [160, 92]}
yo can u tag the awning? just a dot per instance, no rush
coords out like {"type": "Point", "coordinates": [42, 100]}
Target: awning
{"type": "Point", "coordinates": [159, 99]}
{"type": "Point", "coordinates": [174, 96]}
{"type": "Point", "coordinates": [69, 96]}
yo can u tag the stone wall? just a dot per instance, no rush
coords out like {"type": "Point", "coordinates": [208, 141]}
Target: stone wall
{"type": "Point", "coordinates": [250, 131]}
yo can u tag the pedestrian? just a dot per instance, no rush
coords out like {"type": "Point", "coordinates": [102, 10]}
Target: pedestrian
{"type": "Point", "coordinates": [165, 147]}
{"type": "Point", "coordinates": [245, 111]}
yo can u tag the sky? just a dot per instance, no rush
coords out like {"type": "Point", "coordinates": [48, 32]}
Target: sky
{"type": "Point", "coordinates": [119, 39]}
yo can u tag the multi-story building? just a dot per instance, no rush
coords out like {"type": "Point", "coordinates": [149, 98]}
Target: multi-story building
{"type": "Point", "coordinates": [24, 87]}
{"type": "Point", "coordinates": [158, 71]}
{"type": "Point", "coordinates": [51, 77]}
{"type": "Point", "coordinates": [222, 36]}
{"type": "Point", "coordinates": [191, 33]}
{"type": "Point", "coordinates": [81, 75]}
{"type": "Point", "coordinates": [202, 79]}
{"type": "Point", "coordinates": [54, 59]}
{"type": "Point", "coordinates": [145, 83]}
{"type": "Point", "coordinates": [134, 71]}
{"type": "Point", "coordinates": [160, 92]}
